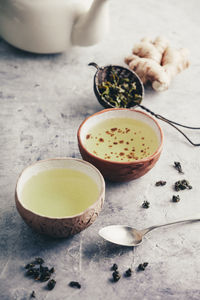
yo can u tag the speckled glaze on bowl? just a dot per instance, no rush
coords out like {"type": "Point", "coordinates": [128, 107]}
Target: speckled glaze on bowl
{"type": "Point", "coordinates": [120, 171]}
{"type": "Point", "coordinates": [65, 226]}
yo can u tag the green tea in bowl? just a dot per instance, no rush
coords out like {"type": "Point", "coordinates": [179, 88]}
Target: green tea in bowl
{"type": "Point", "coordinates": [121, 139]}
{"type": "Point", "coordinates": [60, 196]}
{"type": "Point", "coordinates": [59, 193]}
{"type": "Point", "coordinates": [122, 143]}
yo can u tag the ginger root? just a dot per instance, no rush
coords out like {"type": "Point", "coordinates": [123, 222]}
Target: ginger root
{"type": "Point", "coordinates": [156, 62]}
{"type": "Point", "coordinates": [149, 49]}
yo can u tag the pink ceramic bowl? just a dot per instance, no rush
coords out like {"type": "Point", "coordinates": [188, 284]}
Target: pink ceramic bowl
{"type": "Point", "coordinates": [113, 170]}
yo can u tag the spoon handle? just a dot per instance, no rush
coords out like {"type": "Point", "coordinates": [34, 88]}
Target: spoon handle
{"type": "Point", "coordinates": [144, 231]}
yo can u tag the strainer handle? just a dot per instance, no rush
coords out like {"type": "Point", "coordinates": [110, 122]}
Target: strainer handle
{"type": "Point", "coordinates": [172, 123]}
{"type": "Point", "coordinates": [94, 65]}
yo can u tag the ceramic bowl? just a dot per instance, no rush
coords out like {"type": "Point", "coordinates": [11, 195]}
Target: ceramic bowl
{"type": "Point", "coordinates": [113, 170]}
{"type": "Point", "coordinates": [65, 226]}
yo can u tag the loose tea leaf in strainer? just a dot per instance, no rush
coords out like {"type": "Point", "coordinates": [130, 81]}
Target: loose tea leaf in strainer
{"type": "Point", "coordinates": [116, 86]}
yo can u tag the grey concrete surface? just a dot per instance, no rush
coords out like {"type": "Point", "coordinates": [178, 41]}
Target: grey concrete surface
{"type": "Point", "coordinates": [43, 100]}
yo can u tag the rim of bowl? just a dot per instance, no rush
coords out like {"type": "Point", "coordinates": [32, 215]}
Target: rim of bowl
{"type": "Point", "coordinates": [101, 192]}
{"type": "Point", "coordinates": [119, 162]}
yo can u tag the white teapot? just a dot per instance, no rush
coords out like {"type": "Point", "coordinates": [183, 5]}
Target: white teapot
{"type": "Point", "coordinates": [52, 26]}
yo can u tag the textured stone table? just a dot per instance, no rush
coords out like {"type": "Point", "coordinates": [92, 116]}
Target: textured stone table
{"type": "Point", "coordinates": [43, 99]}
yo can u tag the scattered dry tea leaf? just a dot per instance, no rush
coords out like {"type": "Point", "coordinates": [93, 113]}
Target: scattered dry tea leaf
{"type": "Point", "coordinates": [116, 276]}
{"type": "Point", "coordinates": [128, 272]}
{"type": "Point", "coordinates": [160, 183]}
{"type": "Point", "coordinates": [51, 284]}
{"type": "Point", "coordinates": [182, 185]}
{"type": "Point", "coordinates": [75, 284]}
{"type": "Point", "coordinates": [114, 267]}
{"type": "Point", "coordinates": [178, 167]}
{"type": "Point", "coordinates": [176, 198]}
{"type": "Point", "coordinates": [143, 266]}
{"type": "Point", "coordinates": [33, 294]}
{"type": "Point", "coordinates": [146, 204]}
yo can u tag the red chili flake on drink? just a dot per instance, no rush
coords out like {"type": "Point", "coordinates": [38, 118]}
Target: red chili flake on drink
{"type": "Point", "coordinates": [121, 142]}
{"type": "Point", "coordinates": [101, 140]}
{"type": "Point", "coordinates": [121, 153]}
{"type": "Point", "coordinates": [88, 136]}
{"type": "Point", "coordinates": [113, 129]}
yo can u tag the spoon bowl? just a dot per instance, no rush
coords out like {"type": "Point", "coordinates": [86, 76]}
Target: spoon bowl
{"type": "Point", "coordinates": [121, 235]}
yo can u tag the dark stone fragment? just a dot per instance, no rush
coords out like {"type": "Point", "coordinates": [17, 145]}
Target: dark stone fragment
{"type": "Point", "coordinates": [51, 284]}
{"type": "Point", "coordinates": [75, 284]}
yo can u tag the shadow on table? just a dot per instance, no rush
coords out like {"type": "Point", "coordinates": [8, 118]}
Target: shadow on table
{"type": "Point", "coordinates": [12, 51]}
{"type": "Point", "coordinates": [17, 239]}
{"type": "Point", "coordinates": [105, 249]}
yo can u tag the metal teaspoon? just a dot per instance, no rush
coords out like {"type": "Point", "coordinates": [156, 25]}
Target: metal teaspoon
{"type": "Point", "coordinates": [129, 236]}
